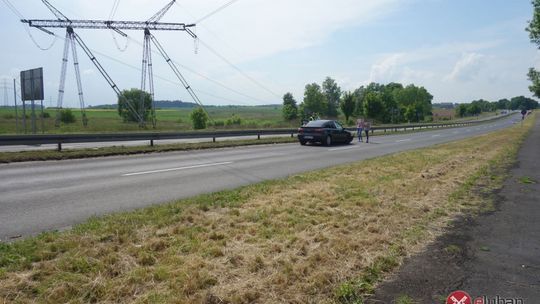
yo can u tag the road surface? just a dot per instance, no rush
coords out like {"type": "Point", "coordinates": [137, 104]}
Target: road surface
{"type": "Point", "coordinates": [42, 196]}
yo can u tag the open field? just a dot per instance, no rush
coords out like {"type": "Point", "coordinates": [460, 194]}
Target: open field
{"type": "Point", "coordinates": [326, 236]}
{"type": "Point", "coordinates": [168, 120]}
{"type": "Point", "coordinates": [105, 120]}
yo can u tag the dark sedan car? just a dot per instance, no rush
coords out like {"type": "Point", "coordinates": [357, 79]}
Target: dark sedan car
{"type": "Point", "coordinates": [323, 131]}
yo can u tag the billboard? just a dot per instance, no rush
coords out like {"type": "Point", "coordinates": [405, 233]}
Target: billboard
{"type": "Point", "coordinates": [32, 84]}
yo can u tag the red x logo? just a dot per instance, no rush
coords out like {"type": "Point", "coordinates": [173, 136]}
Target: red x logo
{"type": "Point", "coordinates": [459, 297]}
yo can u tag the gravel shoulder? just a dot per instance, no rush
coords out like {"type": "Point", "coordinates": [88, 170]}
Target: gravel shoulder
{"type": "Point", "coordinates": [496, 254]}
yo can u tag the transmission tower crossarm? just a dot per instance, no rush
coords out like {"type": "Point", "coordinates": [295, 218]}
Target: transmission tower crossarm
{"type": "Point", "coordinates": [108, 24]}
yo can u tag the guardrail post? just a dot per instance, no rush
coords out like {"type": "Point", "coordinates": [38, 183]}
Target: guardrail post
{"type": "Point", "coordinates": [258, 136]}
{"type": "Point", "coordinates": [151, 142]}
{"type": "Point", "coordinates": [214, 139]}
{"type": "Point", "coordinates": [292, 135]}
{"type": "Point", "coordinates": [59, 147]}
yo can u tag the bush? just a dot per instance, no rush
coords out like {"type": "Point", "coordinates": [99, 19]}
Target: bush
{"type": "Point", "coordinates": [234, 120]}
{"type": "Point", "coordinates": [199, 118]}
{"type": "Point", "coordinates": [218, 123]}
{"type": "Point", "coordinates": [67, 116]}
{"type": "Point", "coordinates": [45, 115]}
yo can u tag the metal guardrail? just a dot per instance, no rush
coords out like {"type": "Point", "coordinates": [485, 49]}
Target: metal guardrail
{"type": "Point", "coordinates": [59, 139]}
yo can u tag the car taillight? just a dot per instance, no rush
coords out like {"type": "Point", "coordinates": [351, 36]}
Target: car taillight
{"type": "Point", "coordinates": [300, 130]}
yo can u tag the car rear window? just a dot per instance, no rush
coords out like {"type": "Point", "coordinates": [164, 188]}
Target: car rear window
{"type": "Point", "coordinates": [316, 123]}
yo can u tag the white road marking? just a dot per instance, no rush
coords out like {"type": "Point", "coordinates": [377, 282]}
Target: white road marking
{"type": "Point", "coordinates": [435, 135]}
{"type": "Point", "coordinates": [177, 169]}
{"type": "Point", "coordinates": [402, 140]}
{"type": "Point", "coordinates": [344, 148]}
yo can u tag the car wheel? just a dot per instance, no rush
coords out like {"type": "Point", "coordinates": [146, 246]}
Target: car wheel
{"type": "Point", "coordinates": [303, 142]}
{"type": "Point", "coordinates": [328, 141]}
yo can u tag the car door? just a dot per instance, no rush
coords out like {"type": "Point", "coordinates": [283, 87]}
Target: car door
{"type": "Point", "coordinates": [341, 135]}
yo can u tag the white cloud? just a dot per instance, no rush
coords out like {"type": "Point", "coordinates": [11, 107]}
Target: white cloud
{"type": "Point", "coordinates": [386, 69]}
{"type": "Point", "coordinates": [467, 68]}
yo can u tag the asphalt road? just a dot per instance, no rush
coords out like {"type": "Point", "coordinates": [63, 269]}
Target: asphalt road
{"type": "Point", "coordinates": [41, 196]}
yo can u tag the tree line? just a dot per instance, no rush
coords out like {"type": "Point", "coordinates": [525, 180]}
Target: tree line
{"type": "Point", "coordinates": [383, 103]}
{"type": "Point", "coordinates": [478, 106]}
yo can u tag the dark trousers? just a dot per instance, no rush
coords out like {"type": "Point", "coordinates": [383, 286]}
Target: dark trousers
{"type": "Point", "coordinates": [367, 135]}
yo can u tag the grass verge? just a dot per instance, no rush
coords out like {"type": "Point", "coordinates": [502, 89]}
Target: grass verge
{"type": "Point", "coordinates": [41, 155]}
{"type": "Point", "coordinates": [326, 236]}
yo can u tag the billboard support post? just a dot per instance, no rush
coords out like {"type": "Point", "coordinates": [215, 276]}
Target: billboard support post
{"type": "Point", "coordinates": [15, 101]}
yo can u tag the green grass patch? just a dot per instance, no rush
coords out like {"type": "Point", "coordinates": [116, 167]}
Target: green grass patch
{"type": "Point", "coordinates": [527, 180]}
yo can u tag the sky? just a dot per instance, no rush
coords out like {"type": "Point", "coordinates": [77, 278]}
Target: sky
{"type": "Point", "coordinates": [254, 51]}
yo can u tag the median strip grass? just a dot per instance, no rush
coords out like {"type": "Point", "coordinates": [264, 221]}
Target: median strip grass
{"type": "Point", "coordinates": [326, 236]}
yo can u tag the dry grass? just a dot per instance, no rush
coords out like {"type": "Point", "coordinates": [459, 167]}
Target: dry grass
{"type": "Point", "coordinates": [322, 237]}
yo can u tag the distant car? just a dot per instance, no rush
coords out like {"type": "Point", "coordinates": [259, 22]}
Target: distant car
{"type": "Point", "coordinates": [324, 131]}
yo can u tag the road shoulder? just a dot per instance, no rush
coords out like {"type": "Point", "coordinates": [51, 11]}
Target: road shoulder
{"type": "Point", "coordinates": [496, 254]}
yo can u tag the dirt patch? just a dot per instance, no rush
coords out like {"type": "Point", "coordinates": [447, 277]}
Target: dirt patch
{"type": "Point", "coordinates": [495, 254]}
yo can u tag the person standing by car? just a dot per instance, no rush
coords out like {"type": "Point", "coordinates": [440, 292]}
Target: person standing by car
{"type": "Point", "coordinates": [367, 128]}
{"type": "Point", "coordinates": [359, 128]}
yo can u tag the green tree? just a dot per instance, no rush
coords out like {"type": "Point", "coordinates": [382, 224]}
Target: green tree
{"type": "Point", "coordinates": [314, 100]}
{"type": "Point", "coordinates": [523, 103]}
{"type": "Point", "coordinates": [290, 109]}
{"type": "Point", "coordinates": [373, 104]}
{"type": "Point", "coordinates": [414, 101]}
{"type": "Point", "coordinates": [474, 109]}
{"type": "Point", "coordinates": [134, 104]}
{"type": "Point", "coordinates": [359, 97]}
{"type": "Point", "coordinates": [199, 118]}
{"type": "Point", "coordinates": [348, 104]}
{"type": "Point", "coordinates": [391, 109]}
{"type": "Point", "coordinates": [534, 34]}
{"type": "Point", "coordinates": [461, 110]}
{"type": "Point", "coordinates": [67, 116]}
{"type": "Point", "coordinates": [503, 104]}
{"type": "Point", "coordinates": [332, 93]}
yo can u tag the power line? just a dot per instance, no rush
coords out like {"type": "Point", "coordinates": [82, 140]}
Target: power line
{"type": "Point", "coordinates": [173, 82]}
{"type": "Point", "coordinates": [113, 11]}
{"type": "Point", "coordinates": [215, 11]}
{"type": "Point", "coordinates": [205, 77]}
{"type": "Point", "coordinates": [21, 17]}
{"type": "Point", "coordinates": [223, 57]}
{"type": "Point", "coordinates": [111, 16]}
{"type": "Point", "coordinates": [239, 70]}
{"type": "Point", "coordinates": [13, 8]}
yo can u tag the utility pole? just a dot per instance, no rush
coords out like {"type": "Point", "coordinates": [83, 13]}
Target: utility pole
{"type": "Point", "coordinates": [15, 101]}
{"type": "Point", "coordinates": [6, 100]}
{"type": "Point", "coordinates": [72, 39]}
